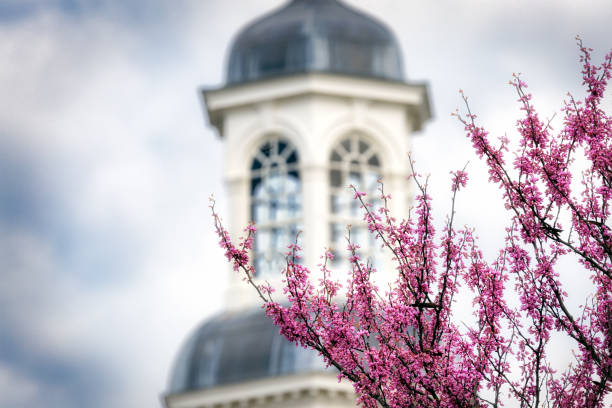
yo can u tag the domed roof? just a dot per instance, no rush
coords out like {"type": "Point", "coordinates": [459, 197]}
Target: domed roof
{"type": "Point", "coordinates": [314, 36]}
{"type": "Point", "coordinates": [235, 347]}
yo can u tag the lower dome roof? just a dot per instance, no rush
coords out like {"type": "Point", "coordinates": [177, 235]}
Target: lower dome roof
{"type": "Point", "coordinates": [232, 347]}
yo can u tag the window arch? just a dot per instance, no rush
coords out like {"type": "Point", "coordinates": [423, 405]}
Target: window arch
{"type": "Point", "coordinates": [276, 202]}
{"type": "Point", "coordinates": [354, 160]}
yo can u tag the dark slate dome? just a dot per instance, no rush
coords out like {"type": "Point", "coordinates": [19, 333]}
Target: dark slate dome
{"type": "Point", "coordinates": [314, 36]}
{"type": "Point", "coordinates": [235, 347]}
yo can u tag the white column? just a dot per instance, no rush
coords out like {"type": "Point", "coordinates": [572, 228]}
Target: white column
{"type": "Point", "coordinates": [315, 210]}
{"type": "Point", "coordinates": [238, 206]}
{"type": "Point", "coordinates": [239, 293]}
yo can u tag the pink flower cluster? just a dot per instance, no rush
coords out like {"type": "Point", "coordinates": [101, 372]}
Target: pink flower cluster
{"type": "Point", "coordinates": [402, 347]}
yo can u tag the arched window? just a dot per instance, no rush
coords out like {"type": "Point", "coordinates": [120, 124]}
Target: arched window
{"type": "Point", "coordinates": [276, 203]}
{"type": "Point", "coordinates": [353, 161]}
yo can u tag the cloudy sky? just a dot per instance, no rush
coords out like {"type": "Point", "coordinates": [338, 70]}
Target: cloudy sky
{"type": "Point", "coordinates": [107, 256]}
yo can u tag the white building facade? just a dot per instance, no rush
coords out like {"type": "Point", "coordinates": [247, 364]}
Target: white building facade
{"type": "Point", "coordinates": [315, 100]}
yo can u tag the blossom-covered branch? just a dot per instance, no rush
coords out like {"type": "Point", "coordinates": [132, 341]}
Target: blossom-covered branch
{"type": "Point", "coordinates": [404, 346]}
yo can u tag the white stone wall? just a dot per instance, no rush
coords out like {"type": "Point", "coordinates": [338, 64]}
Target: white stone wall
{"type": "Point", "coordinates": [308, 390]}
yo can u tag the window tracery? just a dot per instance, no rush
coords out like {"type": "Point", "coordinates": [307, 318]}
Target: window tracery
{"type": "Point", "coordinates": [353, 161]}
{"type": "Point", "coordinates": [276, 203]}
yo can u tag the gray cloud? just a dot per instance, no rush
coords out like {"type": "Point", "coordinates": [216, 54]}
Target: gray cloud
{"type": "Point", "coordinates": [104, 164]}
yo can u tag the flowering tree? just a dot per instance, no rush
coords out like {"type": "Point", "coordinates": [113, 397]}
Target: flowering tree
{"type": "Point", "coordinates": [403, 347]}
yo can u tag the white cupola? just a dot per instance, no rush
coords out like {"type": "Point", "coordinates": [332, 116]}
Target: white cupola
{"type": "Point", "coordinates": [315, 100]}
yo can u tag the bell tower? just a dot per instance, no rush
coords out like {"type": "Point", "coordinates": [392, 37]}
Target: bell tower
{"type": "Point", "coordinates": [315, 100]}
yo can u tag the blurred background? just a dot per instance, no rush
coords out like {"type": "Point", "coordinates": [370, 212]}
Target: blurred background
{"type": "Point", "coordinates": [107, 253]}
